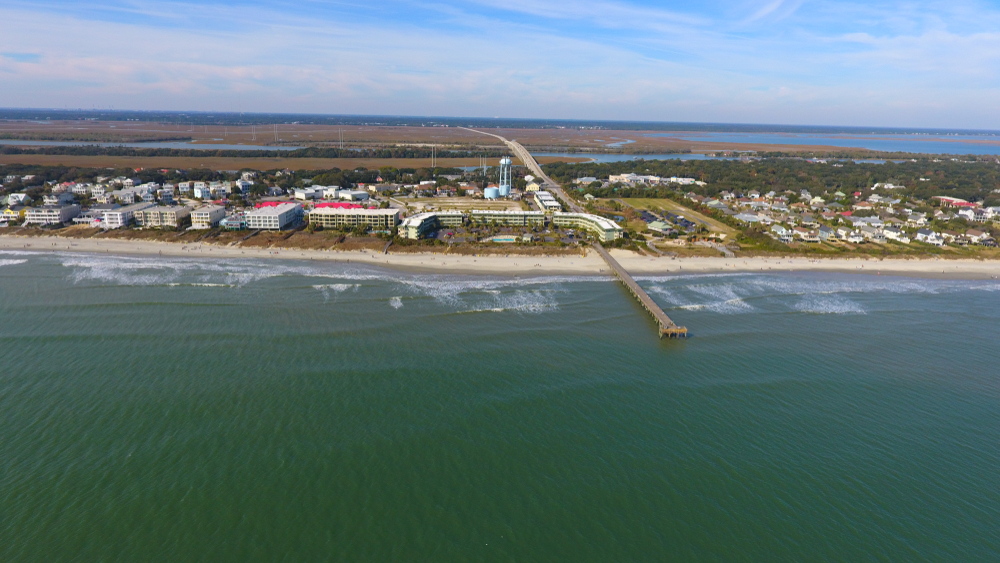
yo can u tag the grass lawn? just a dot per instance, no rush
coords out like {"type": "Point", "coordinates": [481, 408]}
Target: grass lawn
{"type": "Point", "coordinates": [688, 213]}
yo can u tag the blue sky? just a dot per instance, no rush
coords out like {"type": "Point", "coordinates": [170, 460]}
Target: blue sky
{"type": "Point", "coordinates": [916, 63]}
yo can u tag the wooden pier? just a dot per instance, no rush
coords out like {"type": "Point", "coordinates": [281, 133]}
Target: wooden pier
{"type": "Point", "coordinates": [668, 327]}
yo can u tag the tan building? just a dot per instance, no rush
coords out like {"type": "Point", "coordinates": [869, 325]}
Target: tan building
{"type": "Point", "coordinates": [508, 217]}
{"type": "Point", "coordinates": [173, 217]}
{"type": "Point", "coordinates": [207, 216]}
{"type": "Point", "coordinates": [339, 218]}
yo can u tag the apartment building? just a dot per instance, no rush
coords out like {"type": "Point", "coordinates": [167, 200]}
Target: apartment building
{"type": "Point", "coordinates": [163, 217]}
{"type": "Point", "coordinates": [338, 218]}
{"type": "Point", "coordinates": [51, 214]}
{"type": "Point", "coordinates": [273, 217]}
{"type": "Point", "coordinates": [123, 216]}
{"type": "Point", "coordinates": [207, 216]}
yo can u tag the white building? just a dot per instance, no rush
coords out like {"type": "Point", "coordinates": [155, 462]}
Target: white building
{"type": "Point", "coordinates": [546, 202]}
{"type": "Point", "coordinates": [18, 199]}
{"type": "Point", "coordinates": [306, 194]}
{"type": "Point", "coordinates": [930, 237]}
{"type": "Point", "coordinates": [604, 229]}
{"type": "Point", "coordinates": [892, 233]}
{"type": "Point", "coordinates": [354, 195]}
{"type": "Point", "coordinates": [64, 198]}
{"type": "Point", "coordinates": [51, 214]}
{"type": "Point", "coordinates": [273, 218]}
{"type": "Point", "coordinates": [123, 216]}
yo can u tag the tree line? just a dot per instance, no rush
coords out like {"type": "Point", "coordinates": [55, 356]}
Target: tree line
{"type": "Point", "coordinates": [922, 178]}
{"type": "Point", "coordinates": [309, 152]}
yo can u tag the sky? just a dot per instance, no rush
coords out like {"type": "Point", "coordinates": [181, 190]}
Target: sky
{"type": "Point", "coordinates": [917, 63]}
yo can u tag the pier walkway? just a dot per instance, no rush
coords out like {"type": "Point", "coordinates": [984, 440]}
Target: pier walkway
{"type": "Point", "coordinates": [668, 327]}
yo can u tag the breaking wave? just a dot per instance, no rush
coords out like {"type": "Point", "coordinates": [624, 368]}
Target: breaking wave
{"type": "Point", "coordinates": [334, 288]}
{"type": "Point", "coordinates": [720, 293]}
{"type": "Point", "coordinates": [828, 305]}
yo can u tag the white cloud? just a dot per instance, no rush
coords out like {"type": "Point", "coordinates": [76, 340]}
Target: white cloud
{"type": "Point", "coordinates": [892, 70]}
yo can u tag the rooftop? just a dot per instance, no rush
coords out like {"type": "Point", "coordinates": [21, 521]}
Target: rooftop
{"type": "Point", "coordinates": [354, 211]}
{"type": "Point", "coordinates": [272, 208]}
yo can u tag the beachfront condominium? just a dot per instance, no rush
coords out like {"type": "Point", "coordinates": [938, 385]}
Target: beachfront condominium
{"type": "Point", "coordinates": [339, 218]}
{"type": "Point", "coordinates": [604, 229]}
{"type": "Point", "coordinates": [273, 217]}
{"type": "Point", "coordinates": [508, 217]}
{"type": "Point", "coordinates": [419, 225]}
{"type": "Point", "coordinates": [163, 217]}
{"type": "Point", "coordinates": [51, 214]}
{"type": "Point", "coordinates": [207, 216]}
{"type": "Point", "coordinates": [122, 216]}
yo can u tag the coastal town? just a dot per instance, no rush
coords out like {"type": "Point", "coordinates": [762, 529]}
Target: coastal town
{"type": "Point", "coordinates": [649, 214]}
{"type": "Point", "coordinates": [877, 215]}
{"type": "Point", "coordinates": [128, 203]}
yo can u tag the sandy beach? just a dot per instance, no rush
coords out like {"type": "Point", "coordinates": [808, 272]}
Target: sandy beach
{"type": "Point", "coordinates": [523, 265]}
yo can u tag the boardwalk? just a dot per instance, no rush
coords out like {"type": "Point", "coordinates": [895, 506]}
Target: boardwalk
{"type": "Point", "coordinates": [667, 327]}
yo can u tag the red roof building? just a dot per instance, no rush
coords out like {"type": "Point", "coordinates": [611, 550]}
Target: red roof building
{"type": "Point", "coordinates": [338, 205]}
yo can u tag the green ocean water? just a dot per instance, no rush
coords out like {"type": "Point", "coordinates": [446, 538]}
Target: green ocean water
{"type": "Point", "coordinates": [179, 410]}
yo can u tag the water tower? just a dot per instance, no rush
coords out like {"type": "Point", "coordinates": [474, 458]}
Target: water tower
{"type": "Point", "coordinates": [505, 165]}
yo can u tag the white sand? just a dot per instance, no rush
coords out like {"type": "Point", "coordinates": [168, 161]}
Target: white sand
{"type": "Point", "coordinates": [525, 265]}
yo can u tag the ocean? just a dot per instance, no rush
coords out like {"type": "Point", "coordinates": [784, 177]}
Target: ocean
{"type": "Point", "coordinates": [178, 410]}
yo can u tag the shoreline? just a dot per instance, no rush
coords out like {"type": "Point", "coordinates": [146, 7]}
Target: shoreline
{"type": "Point", "coordinates": [521, 265]}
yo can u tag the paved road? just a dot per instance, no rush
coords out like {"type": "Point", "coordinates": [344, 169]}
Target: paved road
{"type": "Point", "coordinates": [529, 161]}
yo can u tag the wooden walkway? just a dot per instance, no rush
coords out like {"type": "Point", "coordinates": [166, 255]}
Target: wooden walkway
{"type": "Point", "coordinates": [668, 327]}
